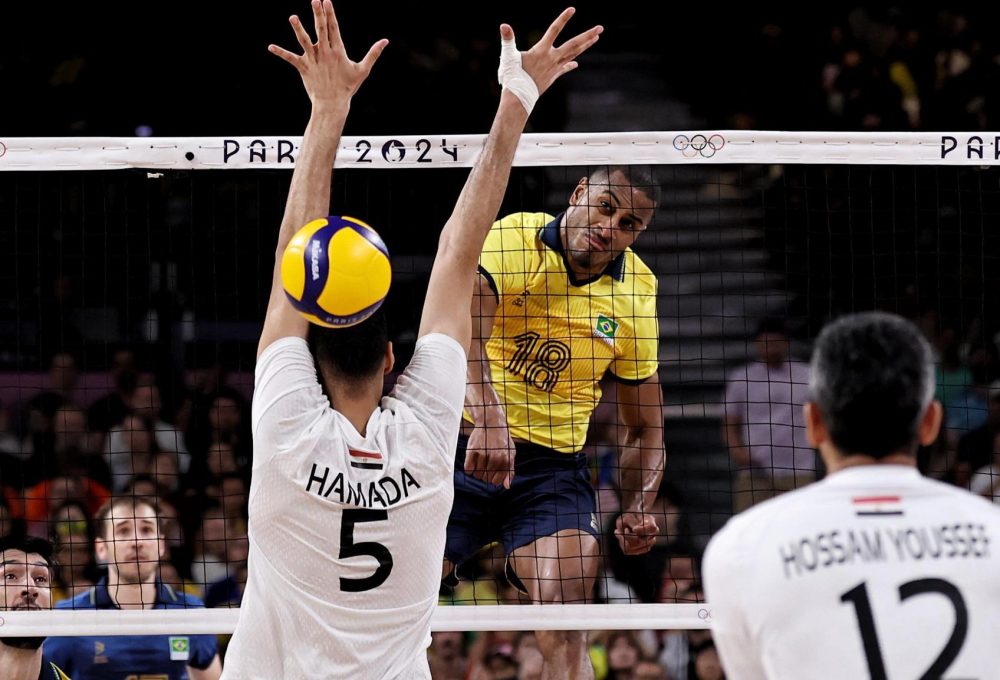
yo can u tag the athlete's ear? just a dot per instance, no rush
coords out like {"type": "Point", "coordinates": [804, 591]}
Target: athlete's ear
{"type": "Point", "coordinates": [816, 432]}
{"type": "Point", "coordinates": [390, 358]}
{"type": "Point", "coordinates": [930, 424]}
{"type": "Point", "coordinates": [579, 191]}
{"type": "Point", "coordinates": [101, 550]}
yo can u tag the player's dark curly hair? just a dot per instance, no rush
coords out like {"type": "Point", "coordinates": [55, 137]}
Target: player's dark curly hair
{"type": "Point", "coordinates": [31, 545]}
{"type": "Point", "coordinates": [872, 379]}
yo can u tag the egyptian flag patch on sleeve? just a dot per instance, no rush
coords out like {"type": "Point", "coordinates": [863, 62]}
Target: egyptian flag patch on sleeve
{"type": "Point", "coordinates": [366, 460]}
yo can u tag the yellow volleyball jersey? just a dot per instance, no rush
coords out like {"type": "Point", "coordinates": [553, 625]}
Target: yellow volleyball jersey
{"type": "Point", "coordinates": [554, 338]}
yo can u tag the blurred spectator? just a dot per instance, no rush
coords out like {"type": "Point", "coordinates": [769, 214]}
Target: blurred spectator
{"type": "Point", "coordinates": [70, 484]}
{"type": "Point", "coordinates": [130, 449]}
{"type": "Point", "coordinates": [210, 549]}
{"type": "Point", "coordinates": [649, 669]}
{"type": "Point", "coordinates": [623, 655]}
{"type": "Point", "coordinates": [41, 408]}
{"type": "Point", "coordinates": [228, 591]}
{"type": "Point", "coordinates": [145, 403]}
{"type": "Point", "coordinates": [764, 428]}
{"type": "Point", "coordinates": [221, 459]}
{"type": "Point", "coordinates": [528, 656]}
{"type": "Point", "coordinates": [706, 663]}
{"type": "Point", "coordinates": [446, 656]}
{"type": "Point", "coordinates": [975, 449]}
{"type": "Point", "coordinates": [73, 539]}
{"type": "Point", "coordinates": [228, 492]}
{"type": "Point", "coordinates": [498, 665]}
{"type": "Point", "coordinates": [132, 445]}
{"type": "Point", "coordinates": [222, 416]}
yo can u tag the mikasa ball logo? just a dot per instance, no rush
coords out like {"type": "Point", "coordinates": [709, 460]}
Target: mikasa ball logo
{"type": "Point", "coordinates": [316, 252]}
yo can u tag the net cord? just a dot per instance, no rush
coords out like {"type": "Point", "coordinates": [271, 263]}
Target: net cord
{"type": "Point", "coordinates": [443, 151]}
{"type": "Point", "coordinates": [469, 618]}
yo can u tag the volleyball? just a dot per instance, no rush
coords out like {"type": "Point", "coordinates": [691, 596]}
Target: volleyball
{"type": "Point", "coordinates": [336, 271]}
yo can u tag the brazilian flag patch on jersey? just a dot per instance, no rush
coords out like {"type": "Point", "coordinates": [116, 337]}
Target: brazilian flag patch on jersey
{"type": "Point", "coordinates": [606, 327]}
{"type": "Point", "coordinates": [180, 648]}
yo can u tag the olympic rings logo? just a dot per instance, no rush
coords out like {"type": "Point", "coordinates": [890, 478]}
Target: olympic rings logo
{"type": "Point", "coordinates": [699, 145]}
{"type": "Point", "coordinates": [3, 149]}
{"type": "Point", "coordinates": [705, 614]}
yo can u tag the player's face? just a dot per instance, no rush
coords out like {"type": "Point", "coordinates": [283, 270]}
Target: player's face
{"type": "Point", "coordinates": [25, 581]}
{"type": "Point", "coordinates": [603, 219]}
{"type": "Point", "coordinates": [132, 543]}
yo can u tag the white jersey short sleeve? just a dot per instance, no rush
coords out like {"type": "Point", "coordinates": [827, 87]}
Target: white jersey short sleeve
{"type": "Point", "coordinates": [347, 531]}
{"type": "Point", "coordinates": [873, 572]}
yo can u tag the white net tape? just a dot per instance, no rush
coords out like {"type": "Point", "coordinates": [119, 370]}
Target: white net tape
{"type": "Point", "coordinates": [464, 618]}
{"type": "Point", "coordinates": [442, 151]}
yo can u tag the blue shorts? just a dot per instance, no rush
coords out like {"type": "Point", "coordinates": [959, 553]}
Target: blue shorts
{"type": "Point", "coordinates": [550, 492]}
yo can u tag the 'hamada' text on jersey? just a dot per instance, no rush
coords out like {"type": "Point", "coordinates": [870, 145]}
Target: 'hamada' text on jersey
{"type": "Point", "coordinates": [383, 492]}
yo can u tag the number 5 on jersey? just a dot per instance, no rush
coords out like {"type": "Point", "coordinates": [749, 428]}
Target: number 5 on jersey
{"type": "Point", "coordinates": [348, 549]}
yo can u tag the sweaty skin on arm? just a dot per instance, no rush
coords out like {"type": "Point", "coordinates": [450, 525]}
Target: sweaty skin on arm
{"type": "Point", "coordinates": [641, 463]}
{"type": "Point", "coordinates": [482, 402]}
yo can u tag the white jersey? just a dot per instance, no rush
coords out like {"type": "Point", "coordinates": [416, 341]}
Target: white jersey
{"type": "Point", "coordinates": [873, 572]}
{"type": "Point", "coordinates": [347, 532]}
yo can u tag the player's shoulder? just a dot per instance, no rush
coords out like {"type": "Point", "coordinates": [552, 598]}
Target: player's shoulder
{"type": "Point", "coordinates": [523, 224]}
{"type": "Point", "coordinates": [955, 496]}
{"type": "Point", "coordinates": [85, 600]}
{"type": "Point", "coordinates": [178, 599]}
{"type": "Point", "coordinates": [643, 278]}
{"type": "Point", "coordinates": [282, 346]}
{"type": "Point", "coordinates": [749, 526]}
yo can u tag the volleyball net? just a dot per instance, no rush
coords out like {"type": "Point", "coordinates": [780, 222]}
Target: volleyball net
{"type": "Point", "coordinates": [136, 273]}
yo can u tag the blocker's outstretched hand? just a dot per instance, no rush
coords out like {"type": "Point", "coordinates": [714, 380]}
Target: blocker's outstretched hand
{"type": "Point", "coordinates": [329, 76]}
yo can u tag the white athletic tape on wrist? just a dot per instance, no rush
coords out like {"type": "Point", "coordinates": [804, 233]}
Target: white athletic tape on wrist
{"type": "Point", "coordinates": [515, 78]}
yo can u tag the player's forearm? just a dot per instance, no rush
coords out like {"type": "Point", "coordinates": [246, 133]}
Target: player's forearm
{"type": "Point", "coordinates": [309, 193]}
{"type": "Point", "coordinates": [478, 204]}
{"type": "Point", "coordinates": [641, 466]}
{"type": "Point", "coordinates": [481, 399]}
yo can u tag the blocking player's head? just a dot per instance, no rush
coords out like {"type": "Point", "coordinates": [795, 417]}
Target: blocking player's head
{"type": "Point", "coordinates": [129, 539]}
{"type": "Point", "coordinates": [355, 354]}
{"type": "Point", "coordinates": [26, 569]}
{"type": "Point", "coordinates": [872, 387]}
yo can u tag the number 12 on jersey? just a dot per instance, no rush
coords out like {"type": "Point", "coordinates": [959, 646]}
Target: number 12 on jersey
{"type": "Point", "coordinates": [858, 596]}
